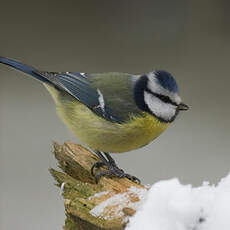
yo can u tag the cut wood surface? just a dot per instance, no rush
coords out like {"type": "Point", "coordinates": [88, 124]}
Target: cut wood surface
{"type": "Point", "coordinates": [91, 206]}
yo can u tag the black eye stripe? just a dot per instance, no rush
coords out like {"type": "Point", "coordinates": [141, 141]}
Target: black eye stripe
{"type": "Point", "coordinates": [163, 98]}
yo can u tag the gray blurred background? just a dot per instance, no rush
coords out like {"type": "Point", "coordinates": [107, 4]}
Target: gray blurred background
{"type": "Point", "coordinates": [190, 39]}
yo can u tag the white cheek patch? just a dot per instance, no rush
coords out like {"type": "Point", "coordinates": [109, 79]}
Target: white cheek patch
{"type": "Point", "coordinates": [159, 108]}
{"type": "Point", "coordinates": [156, 88]}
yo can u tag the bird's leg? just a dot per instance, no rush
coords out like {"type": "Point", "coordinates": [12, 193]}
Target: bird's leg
{"type": "Point", "coordinates": [113, 169]}
{"type": "Point", "coordinates": [110, 159]}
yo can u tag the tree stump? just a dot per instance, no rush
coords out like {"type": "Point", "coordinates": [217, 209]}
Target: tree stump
{"type": "Point", "coordinates": [91, 206]}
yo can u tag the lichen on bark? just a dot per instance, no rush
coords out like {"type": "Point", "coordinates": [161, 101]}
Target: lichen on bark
{"type": "Point", "coordinates": [79, 187]}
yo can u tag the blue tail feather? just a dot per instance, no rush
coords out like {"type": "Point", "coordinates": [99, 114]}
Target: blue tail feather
{"type": "Point", "coordinates": [22, 67]}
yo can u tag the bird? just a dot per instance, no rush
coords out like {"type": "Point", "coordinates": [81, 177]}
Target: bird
{"type": "Point", "coordinates": [111, 112]}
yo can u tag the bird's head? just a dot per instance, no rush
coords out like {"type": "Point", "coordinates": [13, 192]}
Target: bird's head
{"type": "Point", "coordinates": [157, 93]}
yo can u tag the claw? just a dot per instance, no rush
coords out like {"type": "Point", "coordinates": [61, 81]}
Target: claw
{"type": "Point", "coordinates": [101, 174]}
{"type": "Point", "coordinates": [96, 165]}
{"type": "Point", "coordinates": [133, 178]}
{"type": "Point", "coordinates": [116, 172]}
{"type": "Point", "coordinates": [113, 169]}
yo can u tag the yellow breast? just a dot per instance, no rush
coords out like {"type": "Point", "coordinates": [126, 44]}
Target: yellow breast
{"type": "Point", "coordinates": [106, 136]}
{"type": "Point", "coordinates": [102, 135]}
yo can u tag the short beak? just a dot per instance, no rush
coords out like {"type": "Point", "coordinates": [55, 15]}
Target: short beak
{"type": "Point", "coordinates": [183, 107]}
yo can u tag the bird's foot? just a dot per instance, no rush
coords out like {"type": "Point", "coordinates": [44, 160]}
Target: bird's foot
{"type": "Point", "coordinates": [113, 169]}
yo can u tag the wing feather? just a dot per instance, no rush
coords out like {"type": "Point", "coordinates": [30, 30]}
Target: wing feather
{"type": "Point", "coordinates": [78, 86]}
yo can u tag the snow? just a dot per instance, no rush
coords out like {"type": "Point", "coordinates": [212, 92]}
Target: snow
{"type": "Point", "coordinates": [99, 194]}
{"type": "Point", "coordinates": [113, 206]}
{"type": "Point", "coordinates": [169, 205]}
{"type": "Point", "coordinates": [62, 186]}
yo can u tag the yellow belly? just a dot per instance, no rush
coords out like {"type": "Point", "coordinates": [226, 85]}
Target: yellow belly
{"type": "Point", "coordinates": [102, 135]}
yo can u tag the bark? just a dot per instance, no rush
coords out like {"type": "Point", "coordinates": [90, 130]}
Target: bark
{"type": "Point", "coordinates": [79, 189]}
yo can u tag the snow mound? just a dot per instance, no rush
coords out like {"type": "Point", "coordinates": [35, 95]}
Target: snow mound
{"type": "Point", "coordinates": [169, 205]}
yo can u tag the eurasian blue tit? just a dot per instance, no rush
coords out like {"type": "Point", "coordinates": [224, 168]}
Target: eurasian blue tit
{"type": "Point", "coordinates": [111, 112]}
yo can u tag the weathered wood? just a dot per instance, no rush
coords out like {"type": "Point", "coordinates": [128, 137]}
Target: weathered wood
{"type": "Point", "coordinates": [82, 194]}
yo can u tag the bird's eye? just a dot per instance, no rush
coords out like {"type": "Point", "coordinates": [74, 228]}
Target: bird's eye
{"type": "Point", "coordinates": [164, 98]}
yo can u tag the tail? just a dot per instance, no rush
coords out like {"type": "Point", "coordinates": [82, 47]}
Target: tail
{"type": "Point", "coordinates": [23, 68]}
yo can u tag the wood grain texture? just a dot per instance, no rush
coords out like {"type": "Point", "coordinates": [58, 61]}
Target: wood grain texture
{"type": "Point", "coordinates": [81, 193]}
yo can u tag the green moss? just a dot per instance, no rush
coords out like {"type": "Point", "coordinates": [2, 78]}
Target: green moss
{"type": "Point", "coordinates": [70, 224]}
{"type": "Point", "coordinates": [76, 194]}
{"type": "Point", "coordinates": [79, 185]}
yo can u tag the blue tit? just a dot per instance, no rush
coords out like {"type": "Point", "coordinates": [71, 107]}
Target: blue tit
{"type": "Point", "coordinates": [111, 112]}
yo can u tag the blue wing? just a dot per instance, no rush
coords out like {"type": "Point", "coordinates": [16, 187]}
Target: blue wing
{"type": "Point", "coordinates": [109, 95]}
{"type": "Point", "coordinates": [79, 86]}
